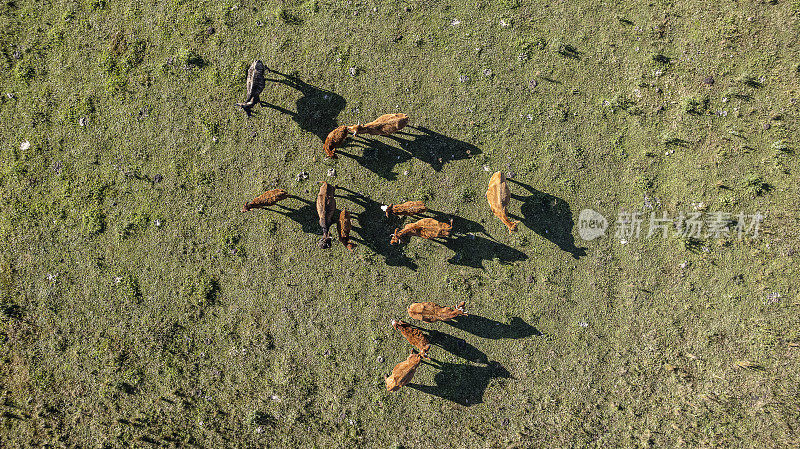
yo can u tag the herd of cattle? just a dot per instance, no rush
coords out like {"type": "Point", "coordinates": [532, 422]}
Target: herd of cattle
{"type": "Point", "coordinates": [497, 194]}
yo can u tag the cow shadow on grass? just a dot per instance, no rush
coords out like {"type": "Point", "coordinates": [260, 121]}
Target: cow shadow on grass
{"type": "Point", "coordinates": [432, 147]}
{"type": "Point", "coordinates": [373, 232]}
{"type": "Point", "coordinates": [472, 250]}
{"type": "Point", "coordinates": [424, 144]}
{"type": "Point", "coordinates": [376, 156]}
{"type": "Point", "coordinates": [491, 329]}
{"type": "Point", "coordinates": [548, 216]}
{"type": "Point", "coordinates": [316, 109]}
{"type": "Point", "coordinates": [461, 383]}
{"type": "Point", "coordinates": [305, 215]}
{"type": "Point", "coordinates": [456, 346]}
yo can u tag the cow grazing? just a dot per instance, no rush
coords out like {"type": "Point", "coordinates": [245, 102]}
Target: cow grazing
{"type": "Point", "coordinates": [266, 199]}
{"type": "Point", "coordinates": [407, 208]}
{"type": "Point", "coordinates": [382, 126]}
{"type": "Point", "coordinates": [403, 372]}
{"type": "Point", "coordinates": [427, 228]}
{"type": "Point", "coordinates": [255, 85]}
{"type": "Point", "coordinates": [344, 229]}
{"type": "Point", "coordinates": [414, 336]}
{"type": "Point", "coordinates": [431, 312]}
{"type": "Point", "coordinates": [498, 196]}
{"type": "Point", "coordinates": [326, 209]}
{"type": "Point", "coordinates": [335, 140]}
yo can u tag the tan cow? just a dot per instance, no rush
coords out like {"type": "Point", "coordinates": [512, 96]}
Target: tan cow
{"type": "Point", "coordinates": [498, 196]}
{"type": "Point", "coordinates": [382, 126]}
{"type": "Point", "coordinates": [266, 199]}
{"type": "Point", "coordinates": [326, 209]}
{"type": "Point", "coordinates": [427, 228]}
{"type": "Point", "coordinates": [403, 372]}
{"type": "Point", "coordinates": [430, 312]}
{"type": "Point", "coordinates": [407, 208]}
{"type": "Point", "coordinates": [344, 229]}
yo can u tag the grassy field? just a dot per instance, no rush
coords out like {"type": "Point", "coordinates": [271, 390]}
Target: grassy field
{"type": "Point", "coordinates": [140, 308]}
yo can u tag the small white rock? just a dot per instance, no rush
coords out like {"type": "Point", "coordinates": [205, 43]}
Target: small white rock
{"type": "Point", "coordinates": [24, 145]}
{"type": "Point", "coordinates": [486, 168]}
{"type": "Point", "coordinates": [455, 22]}
{"type": "Point", "coordinates": [331, 172]}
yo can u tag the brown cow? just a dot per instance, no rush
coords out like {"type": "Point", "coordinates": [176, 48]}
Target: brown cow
{"type": "Point", "coordinates": [382, 126]}
{"type": "Point", "coordinates": [266, 199]}
{"type": "Point", "coordinates": [407, 208]}
{"type": "Point", "coordinates": [344, 229]}
{"type": "Point", "coordinates": [326, 208]}
{"type": "Point", "coordinates": [335, 140]}
{"type": "Point", "coordinates": [414, 336]}
{"type": "Point", "coordinates": [430, 312]}
{"type": "Point", "coordinates": [403, 372]}
{"type": "Point", "coordinates": [498, 195]}
{"type": "Point", "coordinates": [427, 228]}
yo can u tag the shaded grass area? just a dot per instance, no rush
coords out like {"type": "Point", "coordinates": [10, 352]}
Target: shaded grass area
{"type": "Point", "coordinates": [138, 306]}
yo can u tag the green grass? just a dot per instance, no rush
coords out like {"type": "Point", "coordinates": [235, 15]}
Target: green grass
{"type": "Point", "coordinates": [139, 307]}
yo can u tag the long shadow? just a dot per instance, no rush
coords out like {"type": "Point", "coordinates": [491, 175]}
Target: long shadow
{"type": "Point", "coordinates": [373, 231]}
{"type": "Point", "coordinates": [473, 250]}
{"type": "Point", "coordinates": [488, 328]}
{"type": "Point", "coordinates": [461, 383]}
{"type": "Point", "coordinates": [376, 156]}
{"type": "Point", "coordinates": [306, 215]}
{"type": "Point", "coordinates": [434, 148]}
{"type": "Point", "coordinates": [548, 216]}
{"type": "Point", "coordinates": [317, 109]}
{"type": "Point", "coordinates": [457, 346]}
